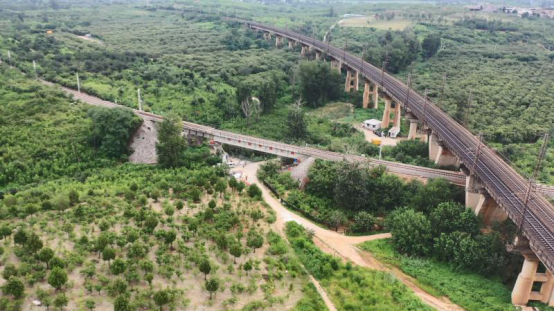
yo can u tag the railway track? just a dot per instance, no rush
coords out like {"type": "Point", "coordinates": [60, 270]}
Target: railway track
{"type": "Point", "coordinates": [535, 215]}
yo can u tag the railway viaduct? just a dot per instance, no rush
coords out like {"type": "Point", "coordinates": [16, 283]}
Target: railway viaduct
{"type": "Point", "coordinates": [494, 190]}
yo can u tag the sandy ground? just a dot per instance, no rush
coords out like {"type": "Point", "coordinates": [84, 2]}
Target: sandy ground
{"type": "Point", "coordinates": [369, 135]}
{"type": "Point", "coordinates": [339, 244]}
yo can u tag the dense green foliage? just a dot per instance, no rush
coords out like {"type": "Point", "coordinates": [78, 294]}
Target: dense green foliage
{"type": "Point", "coordinates": [111, 130]}
{"type": "Point", "coordinates": [355, 188]}
{"type": "Point", "coordinates": [171, 145]}
{"type": "Point", "coordinates": [451, 233]}
{"type": "Point", "coordinates": [43, 135]}
{"type": "Point", "coordinates": [467, 289]}
{"type": "Point", "coordinates": [351, 288]}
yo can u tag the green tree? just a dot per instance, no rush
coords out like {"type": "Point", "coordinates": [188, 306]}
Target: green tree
{"type": "Point", "coordinates": [57, 278]}
{"type": "Point", "coordinates": [337, 219]}
{"type": "Point", "coordinates": [205, 267]}
{"type": "Point", "coordinates": [171, 145]}
{"type": "Point", "coordinates": [297, 125]}
{"type": "Point", "coordinates": [150, 223]}
{"type": "Point", "coordinates": [108, 254]}
{"type": "Point", "coordinates": [212, 285]}
{"type": "Point", "coordinates": [411, 232]}
{"type": "Point", "coordinates": [121, 303]}
{"type": "Point", "coordinates": [90, 304]}
{"type": "Point", "coordinates": [364, 222]}
{"type": "Point", "coordinates": [45, 254]}
{"type": "Point", "coordinates": [5, 231]}
{"type": "Point", "coordinates": [14, 286]}
{"type": "Point", "coordinates": [33, 243]}
{"type": "Point", "coordinates": [318, 83]}
{"type": "Point", "coordinates": [254, 240]}
{"type": "Point", "coordinates": [247, 266]}
{"type": "Point", "coordinates": [118, 266]}
{"type": "Point", "coordinates": [235, 251]}
{"type": "Point", "coordinates": [430, 45]}
{"type": "Point", "coordinates": [112, 129]}
{"type": "Point", "coordinates": [60, 301]}
{"type": "Point", "coordinates": [254, 191]}
{"type": "Point", "coordinates": [161, 298]}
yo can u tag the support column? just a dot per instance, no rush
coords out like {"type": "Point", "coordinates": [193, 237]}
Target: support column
{"type": "Point", "coordinates": [278, 41]}
{"type": "Point", "coordinates": [375, 96]}
{"type": "Point", "coordinates": [348, 82]}
{"type": "Point", "coordinates": [336, 65]}
{"type": "Point", "coordinates": [366, 93]}
{"type": "Point", "coordinates": [397, 115]}
{"type": "Point", "coordinates": [317, 55]}
{"type": "Point", "coordinates": [524, 284]}
{"type": "Point", "coordinates": [440, 154]}
{"type": "Point", "coordinates": [303, 51]}
{"type": "Point", "coordinates": [385, 123]}
{"type": "Point", "coordinates": [356, 81]}
{"type": "Point", "coordinates": [352, 80]}
{"type": "Point", "coordinates": [291, 45]}
{"type": "Point", "coordinates": [413, 129]}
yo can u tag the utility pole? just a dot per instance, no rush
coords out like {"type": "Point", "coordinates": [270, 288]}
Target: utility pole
{"type": "Point", "coordinates": [442, 89]}
{"type": "Point", "coordinates": [540, 158]}
{"type": "Point", "coordinates": [363, 57]}
{"type": "Point", "coordinates": [381, 145]}
{"type": "Point", "coordinates": [139, 100]}
{"type": "Point", "coordinates": [344, 52]}
{"type": "Point", "coordinates": [409, 88]}
{"type": "Point", "coordinates": [477, 153]}
{"type": "Point", "coordinates": [383, 69]}
{"type": "Point", "coordinates": [468, 108]}
{"type": "Point", "coordinates": [425, 106]}
{"type": "Point", "coordinates": [78, 83]}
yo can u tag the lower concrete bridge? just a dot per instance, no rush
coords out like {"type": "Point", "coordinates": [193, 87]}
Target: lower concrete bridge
{"type": "Point", "coordinates": [215, 136]}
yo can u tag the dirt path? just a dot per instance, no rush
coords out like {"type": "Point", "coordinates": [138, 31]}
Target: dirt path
{"type": "Point", "coordinates": [340, 245]}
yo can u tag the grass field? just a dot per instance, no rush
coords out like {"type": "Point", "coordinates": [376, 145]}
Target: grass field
{"type": "Point", "coordinates": [468, 290]}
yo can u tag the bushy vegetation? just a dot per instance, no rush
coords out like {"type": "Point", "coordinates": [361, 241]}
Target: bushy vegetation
{"type": "Point", "coordinates": [45, 136]}
{"type": "Point", "coordinates": [159, 232]}
{"type": "Point", "coordinates": [351, 288]}
{"type": "Point", "coordinates": [346, 195]}
{"type": "Point", "coordinates": [465, 288]}
{"type": "Point", "coordinates": [450, 233]}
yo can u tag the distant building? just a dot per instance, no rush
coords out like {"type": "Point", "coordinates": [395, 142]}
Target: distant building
{"type": "Point", "coordinates": [393, 132]}
{"type": "Point", "coordinates": [88, 36]}
{"type": "Point", "coordinates": [372, 124]}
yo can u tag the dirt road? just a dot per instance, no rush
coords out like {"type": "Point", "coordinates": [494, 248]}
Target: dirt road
{"type": "Point", "coordinates": [340, 245]}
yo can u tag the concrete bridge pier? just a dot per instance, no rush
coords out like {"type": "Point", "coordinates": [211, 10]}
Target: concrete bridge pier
{"type": "Point", "coordinates": [375, 96]}
{"type": "Point", "coordinates": [317, 55]}
{"type": "Point", "coordinates": [278, 41]}
{"type": "Point", "coordinates": [412, 134]}
{"type": "Point", "coordinates": [304, 50]}
{"type": "Point", "coordinates": [440, 154]}
{"type": "Point", "coordinates": [291, 44]}
{"type": "Point", "coordinates": [367, 86]}
{"type": "Point", "coordinates": [523, 289]}
{"type": "Point", "coordinates": [385, 121]}
{"type": "Point", "coordinates": [395, 108]}
{"type": "Point", "coordinates": [352, 80]}
{"type": "Point", "coordinates": [482, 204]}
{"type": "Point", "coordinates": [336, 64]}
